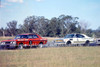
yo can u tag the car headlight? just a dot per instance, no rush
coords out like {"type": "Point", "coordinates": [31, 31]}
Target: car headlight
{"type": "Point", "coordinates": [13, 42]}
{"type": "Point", "coordinates": [2, 43]}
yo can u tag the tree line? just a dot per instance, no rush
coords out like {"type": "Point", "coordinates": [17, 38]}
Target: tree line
{"type": "Point", "coordinates": [54, 27]}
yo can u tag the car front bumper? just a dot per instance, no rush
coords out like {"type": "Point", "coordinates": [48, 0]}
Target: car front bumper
{"type": "Point", "coordinates": [7, 46]}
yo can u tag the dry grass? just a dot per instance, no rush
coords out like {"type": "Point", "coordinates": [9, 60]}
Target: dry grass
{"type": "Point", "coordinates": [51, 57]}
{"type": "Point", "coordinates": [5, 38]}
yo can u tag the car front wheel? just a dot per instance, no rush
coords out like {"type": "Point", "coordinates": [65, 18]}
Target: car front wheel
{"type": "Point", "coordinates": [87, 43]}
{"type": "Point", "coordinates": [20, 46]}
{"type": "Point", "coordinates": [68, 43]}
{"type": "Point", "coordinates": [41, 45]}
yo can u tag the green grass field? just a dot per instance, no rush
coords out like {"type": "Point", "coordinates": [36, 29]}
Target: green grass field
{"type": "Point", "coordinates": [51, 57]}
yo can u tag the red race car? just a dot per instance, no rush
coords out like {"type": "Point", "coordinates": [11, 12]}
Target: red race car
{"type": "Point", "coordinates": [24, 40]}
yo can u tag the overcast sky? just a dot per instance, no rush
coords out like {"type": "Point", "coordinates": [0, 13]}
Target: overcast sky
{"type": "Point", "coordinates": [86, 10]}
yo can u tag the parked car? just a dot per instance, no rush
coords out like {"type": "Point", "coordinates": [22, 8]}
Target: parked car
{"type": "Point", "coordinates": [98, 41]}
{"type": "Point", "coordinates": [74, 39]}
{"type": "Point", "coordinates": [24, 40]}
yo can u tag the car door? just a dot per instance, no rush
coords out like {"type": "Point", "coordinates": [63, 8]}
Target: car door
{"type": "Point", "coordinates": [74, 39]}
{"type": "Point", "coordinates": [36, 39]}
{"type": "Point", "coordinates": [33, 40]}
{"type": "Point", "coordinates": [71, 37]}
{"type": "Point", "coordinates": [81, 39]}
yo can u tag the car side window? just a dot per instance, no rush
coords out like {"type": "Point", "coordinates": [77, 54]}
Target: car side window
{"type": "Point", "coordinates": [35, 36]}
{"type": "Point", "coordinates": [69, 36]}
{"type": "Point", "coordinates": [24, 36]}
{"type": "Point", "coordinates": [79, 36]}
{"type": "Point", "coordinates": [32, 36]}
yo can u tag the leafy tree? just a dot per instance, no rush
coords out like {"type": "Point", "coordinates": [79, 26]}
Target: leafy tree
{"type": "Point", "coordinates": [2, 32]}
{"type": "Point", "coordinates": [89, 32]}
{"type": "Point", "coordinates": [41, 25]}
{"type": "Point", "coordinates": [29, 24]}
{"type": "Point", "coordinates": [12, 26]}
{"type": "Point", "coordinates": [97, 32]}
{"type": "Point", "coordinates": [55, 27]}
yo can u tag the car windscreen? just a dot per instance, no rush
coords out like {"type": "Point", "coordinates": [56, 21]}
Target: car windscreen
{"type": "Point", "coordinates": [69, 36]}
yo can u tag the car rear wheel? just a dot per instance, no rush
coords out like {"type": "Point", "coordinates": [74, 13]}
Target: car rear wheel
{"type": "Point", "coordinates": [41, 45]}
{"type": "Point", "coordinates": [87, 43]}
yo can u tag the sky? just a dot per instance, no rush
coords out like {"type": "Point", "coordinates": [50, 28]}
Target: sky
{"type": "Point", "coordinates": [88, 11]}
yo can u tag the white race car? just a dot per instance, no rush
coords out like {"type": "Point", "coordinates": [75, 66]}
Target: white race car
{"type": "Point", "coordinates": [74, 39]}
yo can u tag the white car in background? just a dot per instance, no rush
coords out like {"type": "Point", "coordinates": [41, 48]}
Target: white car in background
{"type": "Point", "coordinates": [75, 39]}
{"type": "Point", "coordinates": [98, 41]}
